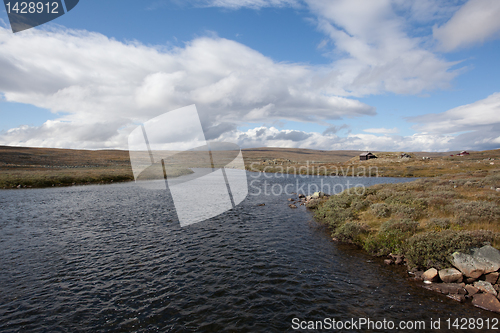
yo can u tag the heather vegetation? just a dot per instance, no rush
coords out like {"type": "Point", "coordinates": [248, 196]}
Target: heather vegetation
{"type": "Point", "coordinates": [46, 167]}
{"type": "Point", "coordinates": [426, 220]}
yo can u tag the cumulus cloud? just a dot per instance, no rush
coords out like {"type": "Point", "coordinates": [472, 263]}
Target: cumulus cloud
{"type": "Point", "coordinates": [381, 130]}
{"type": "Point", "coordinates": [255, 4]}
{"type": "Point", "coordinates": [475, 125]}
{"type": "Point", "coordinates": [427, 11]}
{"type": "Point", "coordinates": [373, 51]}
{"type": "Point", "coordinates": [92, 79]}
{"type": "Point", "coordinates": [102, 88]}
{"type": "Point", "coordinates": [271, 136]}
{"type": "Point", "coordinates": [483, 113]}
{"type": "Point", "coordinates": [334, 129]}
{"type": "Point", "coordinates": [474, 22]}
{"type": "Point", "coordinates": [376, 54]}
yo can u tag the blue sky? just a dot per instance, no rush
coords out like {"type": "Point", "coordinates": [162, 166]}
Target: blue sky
{"type": "Point", "coordinates": [417, 75]}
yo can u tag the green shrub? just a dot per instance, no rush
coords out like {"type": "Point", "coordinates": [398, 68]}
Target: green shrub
{"type": "Point", "coordinates": [313, 203]}
{"type": "Point", "coordinates": [404, 225]}
{"type": "Point", "coordinates": [439, 224]}
{"type": "Point", "coordinates": [384, 193]}
{"type": "Point", "coordinates": [339, 209]}
{"type": "Point", "coordinates": [407, 212]}
{"type": "Point", "coordinates": [383, 243]}
{"type": "Point", "coordinates": [491, 180]}
{"type": "Point", "coordinates": [400, 198]}
{"type": "Point", "coordinates": [380, 210]}
{"type": "Point", "coordinates": [359, 204]}
{"type": "Point", "coordinates": [350, 232]}
{"type": "Point", "coordinates": [433, 249]}
{"type": "Point", "coordinates": [475, 211]}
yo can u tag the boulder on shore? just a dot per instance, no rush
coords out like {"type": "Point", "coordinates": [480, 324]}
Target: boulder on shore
{"type": "Point", "coordinates": [317, 195]}
{"type": "Point", "coordinates": [450, 275]}
{"type": "Point", "coordinates": [482, 261]}
{"type": "Point", "coordinates": [492, 277]}
{"type": "Point", "coordinates": [471, 290]}
{"type": "Point", "coordinates": [485, 287]}
{"type": "Point", "coordinates": [457, 297]}
{"type": "Point", "coordinates": [431, 275]}
{"type": "Point", "coordinates": [486, 302]}
{"type": "Point", "coordinates": [447, 288]}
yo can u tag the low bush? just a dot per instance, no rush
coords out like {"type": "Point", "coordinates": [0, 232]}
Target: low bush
{"type": "Point", "coordinates": [380, 210]}
{"type": "Point", "coordinates": [384, 193]}
{"type": "Point", "coordinates": [407, 212]}
{"type": "Point", "coordinates": [400, 198]}
{"type": "Point", "coordinates": [439, 224]}
{"type": "Point", "coordinates": [351, 232]}
{"type": "Point", "coordinates": [403, 225]}
{"type": "Point", "coordinates": [383, 243]}
{"type": "Point", "coordinates": [475, 211]}
{"type": "Point", "coordinates": [492, 180]}
{"type": "Point", "coordinates": [434, 249]}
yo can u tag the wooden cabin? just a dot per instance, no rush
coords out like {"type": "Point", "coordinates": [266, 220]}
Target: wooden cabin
{"type": "Point", "coordinates": [366, 156]}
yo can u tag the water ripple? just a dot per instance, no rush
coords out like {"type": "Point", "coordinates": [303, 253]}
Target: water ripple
{"type": "Point", "coordinates": [114, 259]}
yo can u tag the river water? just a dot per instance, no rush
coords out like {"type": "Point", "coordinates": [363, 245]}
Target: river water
{"type": "Point", "coordinates": [113, 258]}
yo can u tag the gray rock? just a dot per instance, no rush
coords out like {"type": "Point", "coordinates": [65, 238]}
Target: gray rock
{"type": "Point", "coordinates": [471, 290]}
{"type": "Point", "coordinates": [431, 275]}
{"type": "Point", "coordinates": [388, 261]}
{"type": "Point", "coordinates": [450, 275]}
{"type": "Point", "coordinates": [485, 287]}
{"type": "Point", "coordinates": [457, 297]}
{"type": "Point", "coordinates": [486, 302]}
{"type": "Point", "coordinates": [492, 277]}
{"type": "Point", "coordinates": [447, 288]}
{"type": "Point", "coordinates": [317, 195]}
{"type": "Point", "coordinates": [469, 280]}
{"type": "Point", "coordinates": [482, 261]}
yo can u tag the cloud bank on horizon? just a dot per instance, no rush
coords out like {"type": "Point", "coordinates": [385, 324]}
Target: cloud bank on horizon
{"type": "Point", "coordinates": [101, 88]}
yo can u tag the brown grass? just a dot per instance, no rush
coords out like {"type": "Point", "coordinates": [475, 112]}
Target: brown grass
{"type": "Point", "coordinates": [38, 167]}
{"type": "Point", "coordinates": [396, 217]}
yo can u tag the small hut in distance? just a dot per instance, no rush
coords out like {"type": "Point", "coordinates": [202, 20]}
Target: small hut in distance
{"type": "Point", "coordinates": [366, 156]}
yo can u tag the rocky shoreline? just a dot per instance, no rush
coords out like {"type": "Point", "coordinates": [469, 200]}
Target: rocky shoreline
{"type": "Point", "coordinates": [472, 277]}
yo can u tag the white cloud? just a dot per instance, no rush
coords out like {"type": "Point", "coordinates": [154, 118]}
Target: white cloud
{"type": "Point", "coordinates": [255, 4]}
{"type": "Point", "coordinates": [373, 52]}
{"type": "Point", "coordinates": [272, 137]}
{"type": "Point", "coordinates": [381, 130]}
{"type": "Point", "coordinates": [96, 80]}
{"type": "Point", "coordinates": [102, 87]}
{"type": "Point", "coordinates": [473, 126]}
{"type": "Point", "coordinates": [474, 22]}
{"type": "Point", "coordinates": [376, 55]}
{"type": "Point", "coordinates": [481, 114]}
